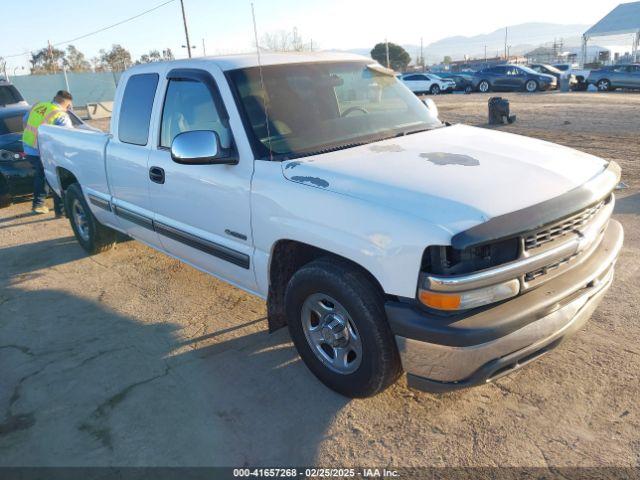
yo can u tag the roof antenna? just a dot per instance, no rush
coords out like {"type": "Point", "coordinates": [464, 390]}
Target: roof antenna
{"type": "Point", "coordinates": [266, 113]}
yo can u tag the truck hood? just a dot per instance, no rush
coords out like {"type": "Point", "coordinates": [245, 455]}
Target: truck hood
{"type": "Point", "coordinates": [455, 177]}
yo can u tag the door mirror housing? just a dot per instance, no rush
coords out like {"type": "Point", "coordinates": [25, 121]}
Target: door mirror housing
{"type": "Point", "coordinates": [199, 147]}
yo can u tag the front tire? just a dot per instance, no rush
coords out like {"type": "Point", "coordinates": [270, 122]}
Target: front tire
{"type": "Point", "coordinates": [91, 235]}
{"type": "Point", "coordinates": [531, 86]}
{"type": "Point", "coordinates": [603, 85]}
{"type": "Point", "coordinates": [435, 89]}
{"type": "Point", "coordinates": [484, 86]}
{"type": "Point", "coordinates": [337, 322]}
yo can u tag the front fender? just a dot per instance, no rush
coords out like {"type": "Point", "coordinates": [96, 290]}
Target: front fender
{"type": "Point", "coordinates": [387, 243]}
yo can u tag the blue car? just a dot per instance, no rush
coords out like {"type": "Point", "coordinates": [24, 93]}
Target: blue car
{"type": "Point", "coordinates": [16, 173]}
{"type": "Point", "coordinates": [512, 78]}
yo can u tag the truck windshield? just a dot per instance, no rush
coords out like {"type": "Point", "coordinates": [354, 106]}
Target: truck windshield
{"type": "Point", "coordinates": [303, 109]}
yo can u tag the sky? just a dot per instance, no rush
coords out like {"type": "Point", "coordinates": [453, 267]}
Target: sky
{"type": "Point", "coordinates": [225, 26]}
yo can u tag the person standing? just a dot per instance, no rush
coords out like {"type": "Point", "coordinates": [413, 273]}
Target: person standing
{"type": "Point", "coordinates": [51, 113]}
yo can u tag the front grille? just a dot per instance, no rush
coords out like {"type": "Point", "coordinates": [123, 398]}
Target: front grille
{"type": "Point", "coordinates": [559, 229]}
{"type": "Point", "coordinates": [548, 268]}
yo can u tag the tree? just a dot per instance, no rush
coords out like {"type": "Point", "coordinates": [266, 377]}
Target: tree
{"type": "Point", "coordinates": [155, 56]}
{"type": "Point", "coordinates": [47, 60]}
{"type": "Point", "coordinates": [3, 66]}
{"type": "Point", "coordinates": [167, 54]}
{"type": "Point", "coordinates": [76, 61]}
{"type": "Point", "coordinates": [116, 59]}
{"type": "Point", "coordinates": [152, 56]}
{"type": "Point", "coordinates": [399, 58]}
{"type": "Point", "coordinates": [447, 60]}
{"type": "Point", "coordinates": [284, 41]}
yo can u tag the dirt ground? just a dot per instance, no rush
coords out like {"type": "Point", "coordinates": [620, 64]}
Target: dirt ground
{"type": "Point", "coordinates": [133, 358]}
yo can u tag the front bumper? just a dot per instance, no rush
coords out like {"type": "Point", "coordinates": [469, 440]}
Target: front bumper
{"type": "Point", "coordinates": [441, 354]}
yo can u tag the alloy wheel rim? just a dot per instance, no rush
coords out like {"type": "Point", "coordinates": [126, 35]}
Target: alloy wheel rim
{"type": "Point", "coordinates": [80, 220]}
{"type": "Point", "coordinates": [331, 333]}
{"type": "Point", "coordinates": [531, 86]}
{"type": "Point", "coordinates": [484, 87]}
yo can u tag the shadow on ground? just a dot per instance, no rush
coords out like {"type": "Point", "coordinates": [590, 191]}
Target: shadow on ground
{"type": "Point", "coordinates": [628, 204]}
{"type": "Point", "coordinates": [84, 385]}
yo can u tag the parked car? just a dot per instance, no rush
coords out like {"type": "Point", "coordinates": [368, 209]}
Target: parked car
{"type": "Point", "coordinates": [384, 238]}
{"type": "Point", "coordinates": [615, 76]}
{"type": "Point", "coordinates": [511, 78]}
{"type": "Point", "coordinates": [16, 173]}
{"type": "Point", "coordinates": [463, 81]}
{"type": "Point", "coordinates": [551, 70]}
{"type": "Point", "coordinates": [420, 83]}
{"type": "Point", "coordinates": [9, 95]}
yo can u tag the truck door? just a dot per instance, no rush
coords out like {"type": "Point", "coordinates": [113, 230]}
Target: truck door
{"type": "Point", "coordinates": [127, 156]}
{"type": "Point", "coordinates": [202, 212]}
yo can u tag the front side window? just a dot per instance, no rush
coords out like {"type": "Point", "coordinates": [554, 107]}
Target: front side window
{"type": "Point", "coordinates": [135, 110]}
{"type": "Point", "coordinates": [189, 106]}
{"type": "Point", "coordinates": [303, 109]}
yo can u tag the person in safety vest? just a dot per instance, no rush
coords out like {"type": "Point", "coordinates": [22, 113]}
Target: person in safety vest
{"type": "Point", "coordinates": [52, 113]}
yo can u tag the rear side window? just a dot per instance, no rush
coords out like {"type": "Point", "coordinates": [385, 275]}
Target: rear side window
{"type": "Point", "coordinates": [135, 111]}
{"type": "Point", "coordinates": [12, 124]}
{"type": "Point", "coordinates": [9, 95]}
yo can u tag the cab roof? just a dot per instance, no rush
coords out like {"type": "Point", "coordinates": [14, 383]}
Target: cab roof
{"type": "Point", "coordinates": [248, 60]}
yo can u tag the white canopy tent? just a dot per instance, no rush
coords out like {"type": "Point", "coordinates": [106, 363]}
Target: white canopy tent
{"type": "Point", "coordinates": [623, 19]}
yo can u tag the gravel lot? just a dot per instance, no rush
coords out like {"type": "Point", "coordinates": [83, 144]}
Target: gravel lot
{"type": "Point", "coordinates": [133, 358]}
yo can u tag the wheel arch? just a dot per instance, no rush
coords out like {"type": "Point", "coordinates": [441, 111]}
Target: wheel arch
{"type": "Point", "coordinates": [287, 257]}
{"type": "Point", "coordinates": [66, 178]}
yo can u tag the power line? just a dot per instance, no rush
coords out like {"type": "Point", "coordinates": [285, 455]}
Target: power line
{"type": "Point", "coordinates": [99, 30]}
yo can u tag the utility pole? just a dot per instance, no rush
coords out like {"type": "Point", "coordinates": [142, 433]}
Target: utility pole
{"type": "Point", "coordinates": [505, 42]}
{"type": "Point", "coordinates": [485, 54]}
{"type": "Point", "coordinates": [204, 49]}
{"type": "Point", "coordinates": [386, 42]}
{"type": "Point", "coordinates": [186, 31]}
{"type": "Point", "coordinates": [422, 54]}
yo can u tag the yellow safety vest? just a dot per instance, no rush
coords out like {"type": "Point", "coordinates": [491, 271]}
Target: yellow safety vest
{"type": "Point", "coordinates": [43, 112]}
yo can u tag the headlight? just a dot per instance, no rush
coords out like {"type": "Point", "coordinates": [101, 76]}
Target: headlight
{"type": "Point", "coordinates": [470, 298]}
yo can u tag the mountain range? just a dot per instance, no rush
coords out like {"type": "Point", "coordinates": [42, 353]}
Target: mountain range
{"type": "Point", "coordinates": [520, 38]}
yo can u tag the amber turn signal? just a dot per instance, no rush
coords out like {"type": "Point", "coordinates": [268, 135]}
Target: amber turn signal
{"type": "Point", "coordinates": [441, 301]}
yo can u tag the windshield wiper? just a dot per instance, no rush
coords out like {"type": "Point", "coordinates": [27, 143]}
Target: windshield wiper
{"type": "Point", "coordinates": [334, 148]}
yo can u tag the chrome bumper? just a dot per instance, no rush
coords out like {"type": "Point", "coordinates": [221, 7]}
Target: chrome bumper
{"type": "Point", "coordinates": [545, 316]}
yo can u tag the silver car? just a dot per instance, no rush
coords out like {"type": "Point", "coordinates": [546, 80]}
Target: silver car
{"type": "Point", "coordinates": [615, 76]}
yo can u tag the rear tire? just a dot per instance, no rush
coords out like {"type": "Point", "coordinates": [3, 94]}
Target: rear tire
{"type": "Point", "coordinates": [350, 305]}
{"type": "Point", "coordinates": [91, 235]}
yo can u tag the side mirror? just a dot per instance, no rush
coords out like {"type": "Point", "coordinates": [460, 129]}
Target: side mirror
{"type": "Point", "coordinates": [431, 106]}
{"type": "Point", "coordinates": [199, 147]}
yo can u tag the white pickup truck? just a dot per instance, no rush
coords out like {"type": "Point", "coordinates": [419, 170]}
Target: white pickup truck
{"type": "Point", "coordinates": [385, 239]}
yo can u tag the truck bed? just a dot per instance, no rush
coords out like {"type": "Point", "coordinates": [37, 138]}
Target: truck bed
{"type": "Point", "coordinates": [79, 151]}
